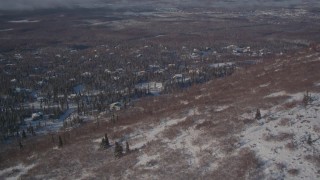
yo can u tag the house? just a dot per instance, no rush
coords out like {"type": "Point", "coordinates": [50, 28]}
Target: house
{"type": "Point", "coordinates": [37, 116]}
{"type": "Point", "coordinates": [115, 106]}
{"type": "Point", "coordinates": [120, 70]}
{"type": "Point", "coordinates": [195, 55]}
{"type": "Point", "coordinates": [154, 88]}
{"type": "Point", "coordinates": [107, 71]}
{"type": "Point", "coordinates": [86, 74]}
{"type": "Point", "coordinates": [140, 73]}
{"type": "Point", "coordinates": [177, 77]}
{"type": "Point", "coordinates": [153, 68]}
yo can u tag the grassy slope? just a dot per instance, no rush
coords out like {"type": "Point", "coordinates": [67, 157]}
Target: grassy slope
{"type": "Point", "coordinates": [186, 135]}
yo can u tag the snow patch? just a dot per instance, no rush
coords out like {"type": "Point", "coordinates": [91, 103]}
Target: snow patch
{"type": "Point", "coordinates": [194, 111]}
{"type": "Point", "coordinates": [198, 97]}
{"type": "Point", "coordinates": [317, 84]}
{"type": "Point", "coordinates": [98, 140]}
{"type": "Point", "coordinates": [149, 161]}
{"type": "Point", "coordinates": [295, 97]}
{"type": "Point", "coordinates": [184, 102]}
{"type": "Point", "coordinates": [15, 172]}
{"type": "Point", "coordinates": [56, 148]}
{"type": "Point", "coordinates": [264, 85]}
{"type": "Point", "coordinates": [246, 116]}
{"type": "Point", "coordinates": [221, 108]}
{"type": "Point", "coordinates": [276, 94]}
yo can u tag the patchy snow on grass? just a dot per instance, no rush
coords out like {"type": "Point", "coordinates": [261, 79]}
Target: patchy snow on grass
{"type": "Point", "coordinates": [317, 84]}
{"type": "Point", "coordinates": [149, 162]}
{"type": "Point", "coordinates": [194, 111]}
{"type": "Point", "coordinates": [198, 97]}
{"type": "Point", "coordinates": [246, 116]}
{"type": "Point", "coordinates": [186, 142]}
{"type": "Point", "coordinates": [276, 94]}
{"type": "Point", "coordinates": [142, 137]}
{"type": "Point", "coordinates": [184, 102]}
{"type": "Point", "coordinates": [15, 172]}
{"type": "Point", "coordinates": [98, 140]}
{"type": "Point", "coordinates": [295, 97]}
{"type": "Point", "coordinates": [264, 85]}
{"type": "Point", "coordinates": [85, 175]}
{"type": "Point", "coordinates": [221, 108]}
{"type": "Point", "coordinates": [286, 141]}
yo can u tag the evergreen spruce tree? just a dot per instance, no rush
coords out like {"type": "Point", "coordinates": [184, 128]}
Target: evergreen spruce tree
{"type": "Point", "coordinates": [113, 119]}
{"type": "Point", "coordinates": [32, 131]}
{"type": "Point", "coordinates": [103, 143]}
{"type": "Point", "coordinates": [118, 150]}
{"type": "Point", "coordinates": [60, 142]}
{"type": "Point", "coordinates": [106, 139]}
{"type": "Point", "coordinates": [258, 114]}
{"type": "Point", "coordinates": [20, 145]}
{"type": "Point", "coordinates": [306, 99]}
{"type": "Point", "coordinates": [52, 138]}
{"type": "Point", "coordinates": [309, 141]}
{"type": "Point", "coordinates": [24, 135]}
{"type": "Point", "coordinates": [127, 147]}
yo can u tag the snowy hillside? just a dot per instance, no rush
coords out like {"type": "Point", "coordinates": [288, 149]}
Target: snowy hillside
{"type": "Point", "coordinates": [207, 132]}
{"type": "Point", "coordinates": [287, 138]}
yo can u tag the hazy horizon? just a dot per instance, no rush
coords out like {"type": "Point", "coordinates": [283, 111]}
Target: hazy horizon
{"type": "Point", "coordinates": [12, 5]}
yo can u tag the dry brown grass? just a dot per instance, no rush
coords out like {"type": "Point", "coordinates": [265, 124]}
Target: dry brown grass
{"type": "Point", "coordinates": [282, 136]}
{"type": "Point", "coordinates": [228, 145]}
{"type": "Point", "coordinates": [290, 105]}
{"type": "Point", "coordinates": [284, 122]}
{"type": "Point", "coordinates": [171, 133]}
{"type": "Point", "coordinates": [281, 166]}
{"type": "Point", "coordinates": [316, 128]}
{"type": "Point", "coordinates": [293, 172]}
{"type": "Point", "coordinates": [291, 146]}
{"type": "Point", "coordinates": [248, 121]}
{"type": "Point", "coordinates": [315, 158]}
